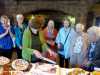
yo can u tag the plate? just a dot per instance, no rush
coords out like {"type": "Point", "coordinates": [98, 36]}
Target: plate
{"type": "Point", "coordinates": [20, 64]}
{"type": "Point", "coordinates": [78, 71]}
{"type": "Point", "coordinates": [17, 73]}
{"type": "Point", "coordinates": [46, 68]}
{"type": "Point", "coordinates": [4, 60]}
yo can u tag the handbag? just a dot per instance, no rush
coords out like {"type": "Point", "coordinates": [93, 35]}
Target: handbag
{"type": "Point", "coordinates": [62, 45]}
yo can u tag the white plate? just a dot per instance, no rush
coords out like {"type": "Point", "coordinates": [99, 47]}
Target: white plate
{"type": "Point", "coordinates": [45, 67]}
{"type": "Point", "coordinates": [17, 73]}
{"type": "Point", "coordinates": [4, 60]}
{"type": "Point", "coordinates": [96, 69]}
{"type": "Point", "coordinates": [20, 64]}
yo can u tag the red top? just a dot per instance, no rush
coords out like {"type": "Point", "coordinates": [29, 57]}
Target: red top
{"type": "Point", "coordinates": [50, 37]}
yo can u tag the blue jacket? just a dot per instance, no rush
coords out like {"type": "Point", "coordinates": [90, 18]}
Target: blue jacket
{"type": "Point", "coordinates": [18, 35]}
{"type": "Point", "coordinates": [95, 54]}
{"type": "Point", "coordinates": [5, 42]}
{"type": "Point", "coordinates": [61, 37]}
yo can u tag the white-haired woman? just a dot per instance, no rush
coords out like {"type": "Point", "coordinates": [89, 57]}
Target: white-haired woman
{"type": "Point", "coordinates": [18, 30]}
{"type": "Point", "coordinates": [94, 47]}
{"type": "Point", "coordinates": [6, 43]}
{"type": "Point", "coordinates": [79, 51]}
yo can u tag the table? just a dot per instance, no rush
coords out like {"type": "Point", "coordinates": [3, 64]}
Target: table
{"type": "Point", "coordinates": [34, 71]}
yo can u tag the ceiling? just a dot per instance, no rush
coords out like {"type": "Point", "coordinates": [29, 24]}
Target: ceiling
{"type": "Point", "coordinates": [88, 1]}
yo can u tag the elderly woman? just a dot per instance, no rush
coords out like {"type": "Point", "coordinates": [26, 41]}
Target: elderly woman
{"type": "Point", "coordinates": [50, 34]}
{"type": "Point", "coordinates": [18, 31]}
{"type": "Point", "coordinates": [33, 40]}
{"type": "Point", "coordinates": [79, 51]}
{"type": "Point", "coordinates": [94, 47]}
{"type": "Point", "coordinates": [64, 40]}
{"type": "Point", "coordinates": [6, 43]}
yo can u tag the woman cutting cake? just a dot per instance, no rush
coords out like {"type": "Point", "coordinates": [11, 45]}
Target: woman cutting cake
{"type": "Point", "coordinates": [33, 40]}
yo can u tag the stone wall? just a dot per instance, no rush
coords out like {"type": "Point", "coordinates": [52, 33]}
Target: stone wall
{"type": "Point", "coordinates": [77, 8]}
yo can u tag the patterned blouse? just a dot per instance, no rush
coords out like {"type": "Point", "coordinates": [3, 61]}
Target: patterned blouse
{"type": "Point", "coordinates": [78, 45]}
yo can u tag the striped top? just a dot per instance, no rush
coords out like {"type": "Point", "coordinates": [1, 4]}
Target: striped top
{"type": "Point", "coordinates": [91, 51]}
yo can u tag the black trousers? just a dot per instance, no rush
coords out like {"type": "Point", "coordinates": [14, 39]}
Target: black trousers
{"type": "Point", "coordinates": [19, 53]}
{"type": "Point", "coordinates": [6, 53]}
{"type": "Point", "coordinates": [64, 63]}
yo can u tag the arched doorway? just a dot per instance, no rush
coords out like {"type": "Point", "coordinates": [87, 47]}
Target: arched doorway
{"type": "Point", "coordinates": [55, 15]}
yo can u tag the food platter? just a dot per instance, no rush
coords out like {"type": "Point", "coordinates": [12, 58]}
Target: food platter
{"type": "Point", "coordinates": [4, 60]}
{"type": "Point", "coordinates": [47, 68]}
{"type": "Point", "coordinates": [20, 64]}
{"type": "Point", "coordinates": [78, 71]}
{"type": "Point", "coordinates": [17, 73]}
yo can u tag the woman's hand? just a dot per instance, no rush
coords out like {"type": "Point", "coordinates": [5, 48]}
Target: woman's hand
{"type": "Point", "coordinates": [4, 34]}
{"type": "Point", "coordinates": [7, 31]}
{"type": "Point", "coordinates": [88, 63]}
{"type": "Point", "coordinates": [51, 42]}
{"type": "Point", "coordinates": [52, 53]}
{"type": "Point", "coordinates": [59, 46]}
{"type": "Point", "coordinates": [37, 53]}
{"type": "Point", "coordinates": [20, 47]}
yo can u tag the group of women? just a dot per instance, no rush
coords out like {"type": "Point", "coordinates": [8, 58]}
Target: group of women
{"type": "Point", "coordinates": [68, 46]}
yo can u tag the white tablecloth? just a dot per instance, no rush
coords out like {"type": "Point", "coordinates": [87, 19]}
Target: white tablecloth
{"type": "Point", "coordinates": [34, 71]}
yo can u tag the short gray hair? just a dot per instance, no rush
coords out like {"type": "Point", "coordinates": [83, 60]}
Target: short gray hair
{"type": "Point", "coordinates": [80, 25]}
{"type": "Point", "coordinates": [95, 30]}
{"type": "Point", "coordinates": [18, 16]}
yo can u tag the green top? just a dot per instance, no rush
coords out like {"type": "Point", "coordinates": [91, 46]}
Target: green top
{"type": "Point", "coordinates": [27, 50]}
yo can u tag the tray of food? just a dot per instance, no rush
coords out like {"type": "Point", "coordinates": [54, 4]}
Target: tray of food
{"type": "Point", "coordinates": [47, 68]}
{"type": "Point", "coordinates": [20, 64]}
{"type": "Point", "coordinates": [4, 60]}
{"type": "Point", "coordinates": [78, 71]}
